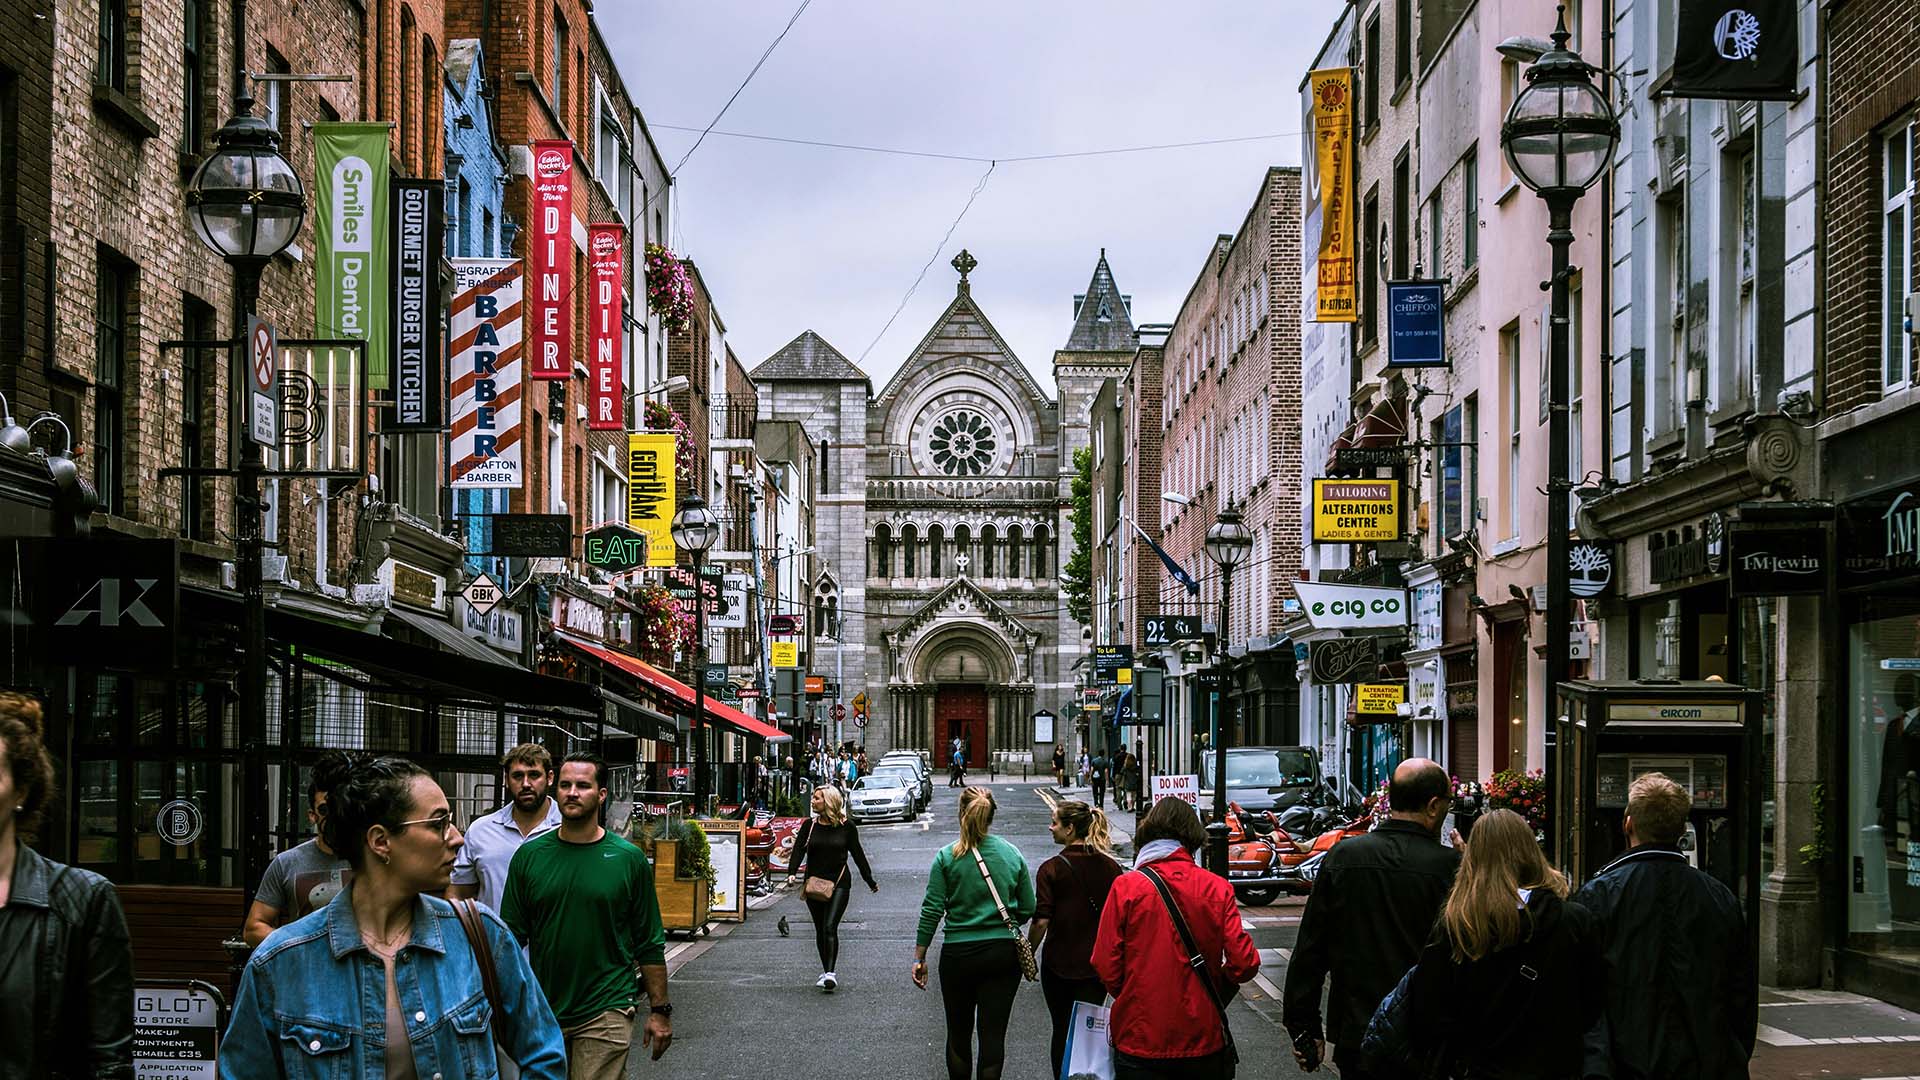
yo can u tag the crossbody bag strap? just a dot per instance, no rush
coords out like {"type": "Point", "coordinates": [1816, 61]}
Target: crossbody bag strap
{"type": "Point", "coordinates": [1195, 961]}
{"type": "Point", "coordinates": [1082, 882]}
{"type": "Point", "coordinates": [993, 889]}
{"type": "Point", "coordinates": [474, 924]}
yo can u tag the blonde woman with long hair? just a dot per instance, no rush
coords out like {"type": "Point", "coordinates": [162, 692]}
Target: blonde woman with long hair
{"type": "Point", "coordinates": [1513, 975]}
{"type": "Point", "coordinates": [979, 960]}
{"type": "Point", "coordinates": [825, 843]}
{"type": "Point", "coordinates": [1072, 890]}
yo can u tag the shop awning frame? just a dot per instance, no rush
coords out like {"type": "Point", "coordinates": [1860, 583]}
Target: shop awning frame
{"type": "Point", "coordinates": [660, 680]}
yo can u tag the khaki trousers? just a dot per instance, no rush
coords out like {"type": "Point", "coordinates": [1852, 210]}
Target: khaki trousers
{"type": "Point", "coordinates": [597, 1049]}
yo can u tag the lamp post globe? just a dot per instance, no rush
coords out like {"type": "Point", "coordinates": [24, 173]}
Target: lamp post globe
{"type": "Point", "coordinates": [1560, 133]}
{"type": "Point", "coordinates": [245, 202]}
{"type": "Point", "coordinates": [695, 529]}
{"type": "Point", "coordinates": [1228, 544]}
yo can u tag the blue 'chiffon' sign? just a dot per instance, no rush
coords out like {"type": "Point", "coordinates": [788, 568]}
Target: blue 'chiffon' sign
{"type": "Point", "coordinates": [1416, 324]}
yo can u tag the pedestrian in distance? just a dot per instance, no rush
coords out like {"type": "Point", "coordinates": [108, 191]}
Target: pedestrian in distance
{"type": "Point", "coordinates": [480, 873]}
{"type": "Point", "coordinates": [824, 844]}
{"type": "Point", "coordinates": [581, 899]}
{"type": "Point", "coordinates": [385, 980]}
{"type": "Point", "coordinates": [306, 877]}
{"type": "Point", "coordinates": [980, 889]}
{"type": "Point", "coordinates": [1071, 890]}
{"type": "Point", "coordinates": [1084, 770]}
{"type": "Point", "coordinates": [1059, 766]}
{"type": "Point", "coordinates": [1512, 975]}
{"type": "Point", "coordinates": [66, 968]}
{"type": "Point", "coordinates": [1098, 772]}
{"type": "Point", "coordinates": [1169, 1015]}
{"type": "Point", "coordinates": [1683, 995]}
{"type": "Point", "coordinates": [1369, 916]}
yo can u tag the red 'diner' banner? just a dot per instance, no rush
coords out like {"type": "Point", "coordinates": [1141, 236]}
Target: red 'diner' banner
{"type": "Point", "coordinates": [551, 259]}
{"type": "Point", "coordinates": [606, 408]}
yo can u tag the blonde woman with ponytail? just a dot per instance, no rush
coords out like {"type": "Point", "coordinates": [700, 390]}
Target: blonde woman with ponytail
{"type": "Point", "coordinates": [980, 959]}
{"type": "Point", "coordinates": [1513, 975]}
{"type": "Point", "coordinates": [1072, 890]}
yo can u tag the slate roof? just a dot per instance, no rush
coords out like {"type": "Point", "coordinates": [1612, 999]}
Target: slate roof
{"type": "Point", "coordinates": [1103, 324]}
{"type": "Point", "coordinates": [808, 357]}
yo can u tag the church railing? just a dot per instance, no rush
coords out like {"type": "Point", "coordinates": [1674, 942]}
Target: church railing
{"type": "Point", "coordinates": [986, 489]}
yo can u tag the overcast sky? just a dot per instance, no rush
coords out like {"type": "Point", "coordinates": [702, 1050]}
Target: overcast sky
{"type": "Point", "coordinates": [791, 238]}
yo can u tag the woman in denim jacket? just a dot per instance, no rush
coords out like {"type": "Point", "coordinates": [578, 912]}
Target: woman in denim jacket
{"type": "Point", "coordinates": [382, 982]}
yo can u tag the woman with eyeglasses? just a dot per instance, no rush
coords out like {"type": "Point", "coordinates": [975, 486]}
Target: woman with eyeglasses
{"type": "Point", "coordinates": [384, 980]}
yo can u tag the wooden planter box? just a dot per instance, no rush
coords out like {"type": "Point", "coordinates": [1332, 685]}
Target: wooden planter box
{"type": "Point", "coordinates": [685, 901]}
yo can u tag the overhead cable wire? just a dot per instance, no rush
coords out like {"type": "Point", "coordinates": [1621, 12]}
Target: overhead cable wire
{"type": "Point", "coordinates": [896, 151]}
{"type": "Point", "coordinates": [978, 187]}
{"type": "Point", "coordinates": [797, 12]}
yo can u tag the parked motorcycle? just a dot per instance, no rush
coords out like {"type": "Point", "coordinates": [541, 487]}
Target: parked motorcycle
{"type": "Point", "coordinates": [1267, 853]}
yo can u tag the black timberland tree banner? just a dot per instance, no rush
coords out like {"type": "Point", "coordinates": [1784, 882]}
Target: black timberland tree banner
{"type": "Point", "coordinates": [1739, 49]}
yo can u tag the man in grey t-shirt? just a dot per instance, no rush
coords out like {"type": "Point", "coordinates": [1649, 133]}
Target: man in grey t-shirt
{"type": "Point", "coordinates": [305, 877]}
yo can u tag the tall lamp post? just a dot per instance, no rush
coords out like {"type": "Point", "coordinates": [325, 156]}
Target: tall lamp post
{"type": "Point", "coordinates": [1559, 137]}
{"type": "Point", "coordinates": [246, 205]}
{"type": "Point", "coordinates": [1228, 544]}
{"type": "Point", "coordinates": [695, 530]}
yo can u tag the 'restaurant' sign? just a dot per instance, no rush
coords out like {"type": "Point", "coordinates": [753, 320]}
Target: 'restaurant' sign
{"type": "Point", "coordinates": [1779, 561]}
{"type": "Point", "coordinates": [1356, 511]}
{"type": "Point", "coordinates": [550, 258]}
{"type": "Point", "coordinates": [606, 315]}
{"type": "Point", "coordinates": [419, 384]}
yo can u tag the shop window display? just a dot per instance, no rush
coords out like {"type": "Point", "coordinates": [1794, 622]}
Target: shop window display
{"type": "Point", "coordinates": [1884, 755]}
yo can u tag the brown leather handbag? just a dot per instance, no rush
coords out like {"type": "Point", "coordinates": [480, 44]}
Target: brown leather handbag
{"type": "Point", "coordinates": [818, 888]}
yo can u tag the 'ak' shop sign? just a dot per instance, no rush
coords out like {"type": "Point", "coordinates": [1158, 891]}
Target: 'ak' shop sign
{"type": "Point", "coordinates": [484, 375]}
{"type": "Point", "coordinates": [1356, 511]}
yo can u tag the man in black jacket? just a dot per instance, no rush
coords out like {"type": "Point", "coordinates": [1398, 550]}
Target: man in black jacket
{"type": "Point", "coordinates": [1372, 908]}
{"type": "Point", "coordinates": [1682, 993]}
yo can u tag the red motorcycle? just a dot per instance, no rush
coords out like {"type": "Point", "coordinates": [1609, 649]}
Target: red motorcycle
{"type": "Point", "coordinates": [1263, 857]}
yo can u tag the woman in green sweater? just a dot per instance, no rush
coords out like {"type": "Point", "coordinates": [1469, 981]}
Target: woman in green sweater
{"type": "Point", "coordinates": [980, 961]}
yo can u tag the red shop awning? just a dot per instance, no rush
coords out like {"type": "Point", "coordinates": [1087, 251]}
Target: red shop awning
{"type": "Point", "coordinates": [660, 680]}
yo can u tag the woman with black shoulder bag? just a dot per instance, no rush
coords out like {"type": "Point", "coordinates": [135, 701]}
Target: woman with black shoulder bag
{"type": "Point", "coordinates": [825, 843]}
{"type": "Point", "coordinates": [1072, 889]}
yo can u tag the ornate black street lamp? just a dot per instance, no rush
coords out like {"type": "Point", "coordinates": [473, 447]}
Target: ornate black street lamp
{"type": "Point", "coordinates": [1559, 137]}
{"type": "Point", "coordinates": [695, 530]}
{"type": "Point", "coordinates": [1228, 544]}
{"type": "Point", "coordinates": [246, 205]}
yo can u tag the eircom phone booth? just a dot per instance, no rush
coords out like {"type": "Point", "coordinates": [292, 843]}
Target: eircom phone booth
{"type": "Point", "coordinates": [1704, 735]}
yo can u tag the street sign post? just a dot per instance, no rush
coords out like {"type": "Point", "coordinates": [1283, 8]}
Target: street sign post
{"type": "Point", "coordinates": [262, 370]}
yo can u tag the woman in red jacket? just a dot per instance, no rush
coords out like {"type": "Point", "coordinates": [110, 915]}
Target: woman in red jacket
{"type": "Point", "coordinates": [1166, 1022]}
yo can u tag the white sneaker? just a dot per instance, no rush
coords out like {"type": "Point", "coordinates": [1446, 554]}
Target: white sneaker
{"type": "Point", "coordinates": [828, 982]}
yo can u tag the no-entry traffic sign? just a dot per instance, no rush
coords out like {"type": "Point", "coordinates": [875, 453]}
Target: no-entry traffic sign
{"type": "Point", "coordinates": [263, 411]}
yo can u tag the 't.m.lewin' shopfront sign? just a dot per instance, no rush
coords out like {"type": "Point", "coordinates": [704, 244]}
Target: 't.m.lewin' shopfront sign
{"type": "Point", "coordinates": [1777, 561]}
{"type": "Point", "coordinates": [1880, 538]}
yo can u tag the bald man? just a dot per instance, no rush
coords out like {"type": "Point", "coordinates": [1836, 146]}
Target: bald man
{"type": "Point", "coordinates": [1372, 907]}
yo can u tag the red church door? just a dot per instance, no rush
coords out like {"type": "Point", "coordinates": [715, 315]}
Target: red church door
{"type": "Point", "coordinates": [960, 711]}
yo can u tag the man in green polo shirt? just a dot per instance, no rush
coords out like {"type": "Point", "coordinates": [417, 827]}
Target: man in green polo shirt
{"type": "Point", "coordinates": [581, 899]}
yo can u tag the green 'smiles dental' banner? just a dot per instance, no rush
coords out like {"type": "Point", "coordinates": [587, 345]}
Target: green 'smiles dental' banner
{"type": "Point", "coordinates": [351, 288]}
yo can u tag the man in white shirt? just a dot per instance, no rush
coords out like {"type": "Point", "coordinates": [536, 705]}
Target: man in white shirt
{"type": "Point", "coordinates": [480, 870]}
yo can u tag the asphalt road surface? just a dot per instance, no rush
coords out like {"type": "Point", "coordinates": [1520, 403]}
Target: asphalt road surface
{"type": "Point", "coordinates": [745, 1004]}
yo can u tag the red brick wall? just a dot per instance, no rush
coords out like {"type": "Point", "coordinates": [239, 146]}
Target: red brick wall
{"type": "Point", "coordinates": [1141, 582]}
{"type": "Point", "coordinates": [1873, 77]}
{"type": "Point", "coordinates": [26, 65]}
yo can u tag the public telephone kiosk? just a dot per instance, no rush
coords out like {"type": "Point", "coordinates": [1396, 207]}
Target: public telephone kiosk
{"type": "Point", "coordinates": [1704, 735]}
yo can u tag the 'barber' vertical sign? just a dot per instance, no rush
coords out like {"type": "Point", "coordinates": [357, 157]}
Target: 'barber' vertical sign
{"type": "Point", "coordinates": [419, 388]}
{"type": "Point", "coordinates": [485, 360]}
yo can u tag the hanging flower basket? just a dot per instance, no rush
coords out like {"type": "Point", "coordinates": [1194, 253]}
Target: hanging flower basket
{"type": "Point", "coordinates": [661, 417]}
{"type": "Point", "coordinates": [1524, 793]}
{"type": "Point", "coordinates": [665, 625]}
{"type": "Point", "coordinates": [669, 289]}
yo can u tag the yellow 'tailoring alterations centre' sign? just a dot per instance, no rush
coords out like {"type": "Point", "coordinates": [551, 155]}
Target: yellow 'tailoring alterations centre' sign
{"type": "Point", "coordinates": [650, 477]}
{"type": "Point", "coordinates": [1356, 511]}
{"type": "Point", "coordinates": [1333, 157]}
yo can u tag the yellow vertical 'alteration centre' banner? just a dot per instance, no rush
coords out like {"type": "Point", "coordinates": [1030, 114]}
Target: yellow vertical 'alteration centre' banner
{"type": "Point", "coordinates": [1333, 144]}
{"type": "Point", "coordinates": [650, 479]}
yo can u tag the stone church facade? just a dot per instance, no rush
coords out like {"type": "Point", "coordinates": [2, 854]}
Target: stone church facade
{"type": "Point", "coordinates": [942, 519]}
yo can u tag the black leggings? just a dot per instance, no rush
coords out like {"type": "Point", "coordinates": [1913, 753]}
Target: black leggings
{"type": "Point", "coordinates": [826, 924]}
{"type": "Point", "coordinates": [982, 976]}
{"type": "Point", "coordinates": [1061, 993]}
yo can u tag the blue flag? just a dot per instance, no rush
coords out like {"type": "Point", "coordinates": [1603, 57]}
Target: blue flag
{"type": "Point", "coordinates": [1179, 575]}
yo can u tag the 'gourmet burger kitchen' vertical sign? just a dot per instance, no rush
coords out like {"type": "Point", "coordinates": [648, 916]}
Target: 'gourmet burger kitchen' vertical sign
{"type": "Point", "coordinates": [551, 260]}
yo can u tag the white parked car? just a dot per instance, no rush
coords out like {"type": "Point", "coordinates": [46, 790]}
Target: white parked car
{"type": "Point", "coordinates": [882, 797]}
{"type": "Point", "coordinates": [918, 764]}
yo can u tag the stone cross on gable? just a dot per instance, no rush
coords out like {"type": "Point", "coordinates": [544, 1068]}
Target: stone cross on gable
{"type": "Point", "coordinates": [964, 262]}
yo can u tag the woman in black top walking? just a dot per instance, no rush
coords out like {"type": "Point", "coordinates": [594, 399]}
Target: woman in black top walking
{"type": "Point", "coordinates": [824, 844]}
{"type": "Point", "coordinates": [1072, 888]}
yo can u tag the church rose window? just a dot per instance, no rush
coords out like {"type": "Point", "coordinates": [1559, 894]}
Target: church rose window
{"type": "Point", "coordinates": [963, 444]}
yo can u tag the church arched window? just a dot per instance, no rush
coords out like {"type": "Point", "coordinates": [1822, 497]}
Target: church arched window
{"type": "Point", "coordinates": [963, 548]}
{"type": "Point", "coordinates": [909, 540]}
{"type": "Point", "coordinates": [1042, 551]}
{"type": "Point", "coordinates": [826, 611]}
{"type": "Point", "coordinates": [936, 537]}
{"type": "Point", "coordinates": [1013, 552]}
{"type": "Point", "coordinates": [882, 565]}
{"type": "Point", "coordinates": [989, 539]}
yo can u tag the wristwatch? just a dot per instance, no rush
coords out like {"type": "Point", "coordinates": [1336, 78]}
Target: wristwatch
{"type": "Point", "coordinates": [665, 1009]}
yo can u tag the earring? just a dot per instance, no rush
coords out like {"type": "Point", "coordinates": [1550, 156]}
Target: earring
{"type": "Point", "coordinates": [386, 860]}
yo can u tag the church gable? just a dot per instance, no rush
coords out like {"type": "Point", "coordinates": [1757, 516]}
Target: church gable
{"type": "Point", "coordinates": [962, 601]}
{"type": "Point", "coordinates": [962, 332]}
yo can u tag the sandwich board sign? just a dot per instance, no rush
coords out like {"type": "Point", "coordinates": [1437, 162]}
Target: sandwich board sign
{"type": "Point", "coordinates": [1185, 786]}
